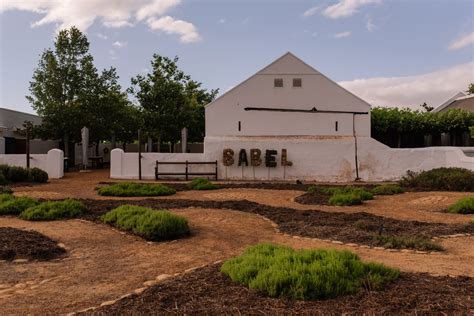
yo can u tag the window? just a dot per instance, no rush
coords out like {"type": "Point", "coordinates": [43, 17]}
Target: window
{"type": "Point", "coordinates": [240, 126]}
{"type": "Point", "coordinates": [297, 82]}
{"type": "Point", "coordinates": [336, 126]}
{"type": "Point", "coordinates": [278, 83]}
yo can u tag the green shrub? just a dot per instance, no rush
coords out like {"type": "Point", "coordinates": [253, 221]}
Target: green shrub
{"type": "Point", "coordinates": [407, 242]}
{"type": "Point", "coordinates": [341, 199]}
{"type": "Point", "coordinates": [202, 184]}
{"type": "Point", "coordinates": [3, 180]}
{"type": "Point", "coordinates": [17, 174]}
{"type": "Point", "coordinates": [148, 223]}
{"type": "Point", "coordinates": [387, 189]}
{"type": "Point", "coordinates": [53, 210]}
{"type": "Point", "coordinates": [37, 175]}
{"type": "Point", "coordinates": [463, 206]}
{"type": "Point", "coordinates": [440, 179]}
{"type": "Point", "coordinates": [136, 189]}
{"type": "Point", "coordinates": [5, 190]}
{"type": "Point", "coordinates": [4, 170]}
{"type": "Point", "coordinates": [305, 274]}
{"type": "Point", "coordinates": [10, 205]}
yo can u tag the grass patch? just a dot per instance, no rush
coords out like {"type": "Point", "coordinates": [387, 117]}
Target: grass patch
{"type": "Point", "coordinates": [440, 179]}
{"type": "Point", "coordinates": [148, 223]}
{"type": "Point", "coordinates": [387, 189]}
{"type": "Point", "coordinates": [348, 195]}
{"type": "Point", "coordinates": [305, 274]}
{"type": "Point", "coordinates": [10, 205]}
{"type": "Point", "coordinates": [202, 184]}
{"type": "Point", "coordinates": [407, 242]}
{"type": "Point", "coordinates": [136, 189]}
{"type": "Point", "coordinates": [344, 199]}
{"type": "Point", "coordinates": [53, 210]}
{"type": "Point", "coordinates": [463, 206]}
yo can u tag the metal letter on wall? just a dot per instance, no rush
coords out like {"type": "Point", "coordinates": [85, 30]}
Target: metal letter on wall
{"type": "Point", "coordinates": [284, 158]}
{"type": "Point", "coordinates": [243, 157]}
{"type": "Point", "coordinates": [270, 159]}
{"type": "Point", "coordinates": [228, 157]}
{"type": "Point", "coordinates": [255, 157]}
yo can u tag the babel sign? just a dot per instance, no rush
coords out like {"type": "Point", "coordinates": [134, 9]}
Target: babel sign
{"type": "Point", "coordinates": [255, 158]}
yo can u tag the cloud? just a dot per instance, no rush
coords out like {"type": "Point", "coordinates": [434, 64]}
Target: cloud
{"type": "Point", "coordinates": [345, 8]}
{"type": "Point", "coordinates": [370, 24]}
{"type": "Point", "coordinates": [221, 20]}
{"type": "Point", "coordinates": [342, 34]}
{"type": "Point", "coordinates": [119, 44]}
{"type": "Point", "coordinates": [311, 11]}
{"type": "Point", "coordinates": [411, 91]}
{"type": "Point", "coordinates": [84, 13]}
{"type": "Point", "coordinates": [187, 31]}
{"type": "Point", "coordinates": [462, 42]}
{"type": "Point", "coordinates": [102, 36]}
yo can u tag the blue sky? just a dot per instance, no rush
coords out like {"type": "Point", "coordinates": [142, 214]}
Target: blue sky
{"type": "Point", "coordinates": [391, 53]}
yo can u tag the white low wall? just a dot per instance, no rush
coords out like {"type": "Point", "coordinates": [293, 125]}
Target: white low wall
{"type": "Point", "coordinates": [326, 158]}
{"type": "Point", "coordinates": [52, 162]}
{"type": "Point", "coordinates": [125, 165]}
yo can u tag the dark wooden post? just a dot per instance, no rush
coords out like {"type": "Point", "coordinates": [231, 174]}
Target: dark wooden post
{"type": "Point", "coordinates": [216, 170]}
{"type": "Point", "coordinates": [187, 170]}
{"type": "Point", "coordinates": [139, 155]}
{"type": "Point", "coordinates": [28, 147]}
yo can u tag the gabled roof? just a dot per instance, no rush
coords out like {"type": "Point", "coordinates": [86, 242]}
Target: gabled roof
{"type": "Point", "coordinates": [281, 67]}
{"type": "Point", "coordinates": [449, 101]}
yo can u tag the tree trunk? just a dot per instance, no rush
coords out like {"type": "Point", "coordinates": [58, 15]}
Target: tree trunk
{"type": "Point", "coordinates": [159, 144]}
{"type": "Point", "coordinates": [66, 146]}
{"type": "Point", "coordinates": [399, 142]}
{"type": "Point", "coordinates": [97, 149]}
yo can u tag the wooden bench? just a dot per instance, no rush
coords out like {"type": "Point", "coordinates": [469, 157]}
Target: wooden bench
{"type": "Point", "coordinates": [186, 172]}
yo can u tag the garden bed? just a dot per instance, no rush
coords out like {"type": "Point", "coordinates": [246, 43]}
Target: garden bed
{"type": "Point", "coordinates": [362, 228]}
{"type": "Point", "coordinates": [207, 291]}
{"type": "Point", "coordinates": [31, 245]}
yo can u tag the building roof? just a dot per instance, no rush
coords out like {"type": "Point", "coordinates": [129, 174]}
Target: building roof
{"type": "Point", "coordinates": [458, 101]}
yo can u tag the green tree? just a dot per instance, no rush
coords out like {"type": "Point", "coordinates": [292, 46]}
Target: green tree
{"type": "Point", "coordinates": [68, 92]}
{"type": "Point", "coordinates": [169, 101]}
{"type": "Point", "coordinates": [470, 89]}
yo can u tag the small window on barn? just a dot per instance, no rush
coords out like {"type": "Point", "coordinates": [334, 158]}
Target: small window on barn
{"type": "Point", "coordinates": [278, 83]}
{"type": "Point", "coordinates": [240, 126]}
{"type": "Point", "coordinates": [336, 126]}
{"type": "Point", "coordinates": [297, 82]}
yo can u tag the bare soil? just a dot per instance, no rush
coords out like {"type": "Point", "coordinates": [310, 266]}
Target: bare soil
{"type": "Point", "coordinates": [31, 245]}
{"type": "Point", "coordinates": [207, 291]}
{"type": "Point", "coordinates": [362, 228]}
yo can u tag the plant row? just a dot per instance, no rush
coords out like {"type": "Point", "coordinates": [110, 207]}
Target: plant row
{"type": "Point", "coordinates": [12, 174]}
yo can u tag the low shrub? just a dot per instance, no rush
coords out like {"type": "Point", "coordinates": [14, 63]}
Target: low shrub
{"type": "Point", "coordinates": [53, 210]}
{"type": "Point", "coordinates": [136, 189]}
{"type": "Point", "coordinates": [202, 184]}
{"type": "Point", "coordinates": [148, 223]}
{"type": "Point", "coordinates": [17, 174]}
{"type": "Point", "coordinates": [440, 179]}
{"type": "Point", "coordinates": [387, 189]}
{"type": "Point", "coordinates": [407, 242]}
{"type": "Point", "coordinates": [5, 190]}
{"type": "Point", "coordinates": [4, 170]}
{"type": "Point", "coordinates": [10, 205]}
{"type": "Point", "coordinates": [313, 274]}
{"type": "Point", "coordinates": [342, 199]}
{"type": "Point", "coordinates": [463, 206]}
{"type": "Point", "coordinates": [3, 180]}
{"type": "Point", "coordinates": [37, 175]}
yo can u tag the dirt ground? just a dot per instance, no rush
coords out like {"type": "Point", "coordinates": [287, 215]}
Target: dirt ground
{"type": "Point", "coordinates": [98, 256]}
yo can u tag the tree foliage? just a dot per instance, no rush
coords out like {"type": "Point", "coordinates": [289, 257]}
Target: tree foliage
{"type": "Point", "coordinates": [170, 100]}
{"type": "Point", "coordinates": [68, 92]}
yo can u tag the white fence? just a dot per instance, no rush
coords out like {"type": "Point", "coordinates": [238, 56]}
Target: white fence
{"type": "Point", "coordinates": [52, 162]}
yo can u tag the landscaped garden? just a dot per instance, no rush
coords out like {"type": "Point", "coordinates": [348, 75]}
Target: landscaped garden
{"type": "Point", "coordinates": [377, 267]}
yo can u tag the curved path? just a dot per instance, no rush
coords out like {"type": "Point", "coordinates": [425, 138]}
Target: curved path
{"type": "Point", "coordinates": [421, 206]}
{"type": "Point", "coordinates": [104, 264]}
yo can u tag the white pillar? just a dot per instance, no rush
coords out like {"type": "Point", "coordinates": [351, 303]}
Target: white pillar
{"type": "Point", "coordinates": [55, 163]}
{"type": "Point", "coordinates": [116, 163]}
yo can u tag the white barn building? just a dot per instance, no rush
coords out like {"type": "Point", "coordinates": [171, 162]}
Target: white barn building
{"type": "Point", "coordinates": [289, 121]}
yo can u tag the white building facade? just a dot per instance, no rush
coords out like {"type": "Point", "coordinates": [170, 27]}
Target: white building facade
{"type": "Point", "coordinates": [289, 121]}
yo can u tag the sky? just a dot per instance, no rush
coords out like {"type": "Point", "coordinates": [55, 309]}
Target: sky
{"type": "Point", "coordinates": [388, 52]}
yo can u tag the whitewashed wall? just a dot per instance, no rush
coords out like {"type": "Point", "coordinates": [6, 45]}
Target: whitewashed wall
{"type": "Point", "coordinates": [125, 165]}
{"type": "Point", "coordinates": [52, 162]}
{"type": "Point", "coordinates": [317, 158]}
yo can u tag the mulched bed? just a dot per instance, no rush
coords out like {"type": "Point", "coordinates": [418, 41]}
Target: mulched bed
{"type": "Point", "coordinates": [359, 227]}
{"type": "Point", "coordinates": [23, 244]}
{"type": "Point", "coordinates": [207, 291]}
{"type": "Point", "coordinates": [313, 198]}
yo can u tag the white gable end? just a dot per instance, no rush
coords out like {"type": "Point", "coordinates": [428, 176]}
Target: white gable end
{"type": "Point", "coordinates": [259, 91]}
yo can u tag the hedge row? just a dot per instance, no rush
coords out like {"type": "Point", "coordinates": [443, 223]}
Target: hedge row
{"type": "Point", "coordinates": [12, 174]}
